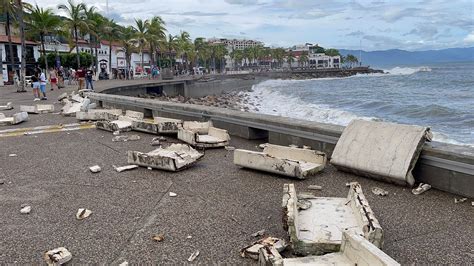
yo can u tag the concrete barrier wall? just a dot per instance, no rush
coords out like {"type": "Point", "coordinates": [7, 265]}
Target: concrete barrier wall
{"type": "Point", "coordinates": [446, 167]}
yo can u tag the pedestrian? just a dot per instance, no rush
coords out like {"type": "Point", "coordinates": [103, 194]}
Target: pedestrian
{"type": "Point", "coordinates": [80, 74]}
{"type": "Point", "coordinates": [43, 82]}
{"type": "Point", "coordinates": [60, 77]}
{"type": "Point", "coordinates": [89, 76]}
{"type": "Point", "coordinates": [36, 85]}
{"type": "Point", "coordinates": [53, 78]}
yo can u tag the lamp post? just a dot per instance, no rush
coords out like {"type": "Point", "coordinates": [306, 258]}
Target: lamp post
{"type": "Point", "coordinates": [1, 67]}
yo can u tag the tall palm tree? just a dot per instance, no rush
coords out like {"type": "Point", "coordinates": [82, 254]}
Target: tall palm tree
{"type": "Point", "coordinates": [110, 32]}
{"type": "Point", "coordinates": [303, 59]}
{"type": "Point", "coordinates": [96, 25]}
{"type": "Point", "coordinates": [184, 44]}
{"type": "Point", "coordinates": [171, 45]}
{"type": "Point", "coordinates": [141, 32]}
{"type": "Point", "coordinates": [8, 8]}
{"type": "Point", "coordinates": [128, 42]}
{"type": "Point", "coordinates": [21, 23]}
{"type": "Point", "coordinates": [290, 58]}
{"type": "Point", "coordinates": [76, 21]}
{"type": "Point", "coordinates": [237, 56]}
{"type": "Point", "coordinates": [42, 22]}
{"type": "Point", "coordinates": [156, 35]}
{"type": "Point", "coordinates": [219, 53]}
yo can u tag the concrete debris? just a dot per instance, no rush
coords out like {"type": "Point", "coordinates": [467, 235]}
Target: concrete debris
{"type": "Point", "coordinates": [72, 107]}
{"type": "Point", "coordinates": [62, 96]}
{"type": "Point", "coordinates": [229, 148]}
{"type": "Point", "coordinates": [259, 233]}
{"type": "Point", "coordinates": [252, 251]}
{"type": "Point", "coordinates": [25, 209]}
{"type": "Point", "coordinates": [57, 256]}
{"type": "Point", "coordinates": [126, 138]}
{"type": "Point", "coordinates": [189, 237]}
{"type": "Point", "coordinates": [8, 106]}
{"type": "Point", "coordinates": [83, 92]}
{"type": "Point", "coordinates": [306, 147]}
{"type": "Point", "coordinates": [193, 256]}
{"type": "Point", "coordinates": [355, 250]}
{"type": "Point", "coordinates": [112, 126]}
{"type": "Point", "coordinates": [318, 229]}
{"type": "Point", "coordinates": [99, 114]}
{"type": "Point", "coordinates": [95, 169]}
{"type": "Point", "coordinates": [422, 187]}
{"type": "Point", "coordinates": [116, 133]}
{"type": "Point", "coordinates": [134, 115]}
{"type": "Point", "coordinates": [77, 98]}
{"type": "Point", "coordinates": [125, 263]}
{"type": "Point", "coordinates": [304, 204]}
{"type": "Point", "coordinates": [288, 161]}
{"type": "Point", "coordinates": [379, 191]}
{"type": "Point", "coordinates": [14, 119]}
{"type": "Point", "coordinates": [172, 194]}
{"type": "Point", "coordinates": [2, 181]}
{"type": "Point", "coordinates": [315, 187]}
{"type": "Point", "coordinates": [125, 168]}
{"type": "Point", "coordinates": [461, 200]}
{"type": "Point", "coordinates": [12, 155]}
{"type": "Point", "coordinates": [293, 146]}
{"type": "Point", "coordinates": [168, 125]}
{"type": "Point", "coordinates": [2, 116]}
{"type": "Point", "coordinates": [390, 150]}
{"type": "Point", "coordinates": [83, 213]}
{"type": "Point", "coordinates": [37, 109]}
{"type": "Point", "coordinates": [155, 142]}
{"type": "Point", "coordinates": [262, 146]}
{"type": "Point", "coordinates": [203, 135]}
{"type": "Point", "coordinates": [172, 158]}
{"type": "Point", "coordinates": [158, 238]}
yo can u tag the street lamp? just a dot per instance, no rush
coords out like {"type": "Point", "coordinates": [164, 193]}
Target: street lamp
{"type": "Point", "coordinates": [1, 67]}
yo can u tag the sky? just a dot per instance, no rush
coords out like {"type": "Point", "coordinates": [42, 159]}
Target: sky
{"type": "Point", "coordinates": [349, 24]}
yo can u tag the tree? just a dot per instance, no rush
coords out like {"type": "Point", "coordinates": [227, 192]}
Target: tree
{"type": "Point", "coordinates": [8, 7]}
{"type": "Point", "coordinates": [96, 26]}
{"type": "Point", "coordinates": [155, 35]}
{"type": "Point", "coordinates": [23, 45]}
{"type": "Point", "coordinates": [351, 59]}
{"type": "Point", "coordinates": [75, 20]}
{"type": "Point", "coordinates": [219, 53]}
{"type": "Point", "coordinates": [279, 54]}
{"type": "Point", "coordinates": [332, 52]}
{"type": "Point", "coordinates": [141, 32]}
{"type": "Point", "coordinates": [128, 42]}
{"type": "Point", "coordinates": [237, 56]}
{"type": "Point", "coordinates": [303, 59]}
{"type": "Point", "coordinates": [42, 22]}
{"type": "Point", "coordinates": [110, 32]}
{"type": "Point", "coordinates": [290, 58]}
{"type": "Point", "coordinates": [171, 44]}
{"type": "Point", "coordinates": [184, 45]}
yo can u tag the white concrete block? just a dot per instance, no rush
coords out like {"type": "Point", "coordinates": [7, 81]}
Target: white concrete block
{"type": "Point", "coordinates": [288, 161]}
{"type": "Point", "coordinates": [380, 150]}
{"type": "Point", "coordinates": [99, 114]}
{"type": "Point", "coordinates": [57, 256]}
{"type": "Point", "coordinates": [37, 109]}
{"type": "Point", "coordinates": [173, 158]}
{"type": "Point", "coordinates": [2, 116]}
{"type": "Point", "coordinates": [8, 106]}
{"type": "Point", "coordinates": [168, 125]}
{"type": "Point", "coordinates": [134, 115]}
{"type": "Point", "coordinates": [31, 109]}
{"type": "Point", "coordinates": [19, 117]}
{"type": "Point", "coordinates": [203, 135]}
{"type": "Point", "coordinates": [113, 126]}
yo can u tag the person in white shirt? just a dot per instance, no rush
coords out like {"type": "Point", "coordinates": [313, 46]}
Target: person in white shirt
{"type": "Point", "coordinates": [43, 85]}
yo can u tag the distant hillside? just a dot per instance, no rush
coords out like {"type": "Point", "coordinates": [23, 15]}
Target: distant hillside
{"type": "Point", "coordinates": [402, 57]}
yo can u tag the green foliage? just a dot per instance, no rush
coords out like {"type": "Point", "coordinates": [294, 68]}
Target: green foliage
{"type": "Point", "coordinates": [332, 52]}
{"type": "Point", "coordinates": [67, 60]}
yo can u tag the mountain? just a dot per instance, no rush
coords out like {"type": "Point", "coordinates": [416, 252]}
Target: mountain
{"type": "Point", "coordinates": [402, 57]}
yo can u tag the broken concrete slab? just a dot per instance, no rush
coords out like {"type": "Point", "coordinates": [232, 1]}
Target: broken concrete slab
{"type": "Point", "coordinates": [62, 96]}
{"type": "Point", "coordinates": [203, 135]}
{"type": "Point", "coordinates": [380, 150]}
{"type": "Point", "coordinates": [172, 158]}
{"type": "Point", "coordinates": [125, 167]}
{"type": "Point", "coordinates": [99, 114]}
{"type": "Point", "coordinates": [57, 256]}
{"type": "Point", "coordinates": [77, 98]}
{"type": "Point", "coordinates": [283, 160]}
{"type": "Point", "coordinates": [71, 108]}
{"type": "Point", "coordinates": [134, 114]}
{"type": "Point", "coordinates": [95, 169]}
{"type": "Point", "coordinates": [113, 126]}
{"type": "Point", "coordinates": [2, 116]}
{"type": "Point", "coordinates": [319, 229]}
{"type": "Point", "coordinates": [126, 138]}
{"type": "Point", "coordinates": [19, 118]}
{"type": "Point", "coordinates": [252, 251]}
{"type": "Point", "coordinates": [8, 106]}
{"type": "Point", "coordinates": [168, 125]}
{"type": "Point", "coordinates": [83, 213]}
{"type": "Point", "coordinates": [37, 109]}
{"type": "Point", "coordinates": [355, 250]}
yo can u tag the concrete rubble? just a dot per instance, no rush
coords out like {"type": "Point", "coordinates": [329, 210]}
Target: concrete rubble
{"type": "Point", "coordinates": [203, 135]}
{"type": "Point", "coordinates": [25, 209]}
{"type": "Point", "coordinates": [37, 109]}
{"type": "Point", "coordinates": [8, 106]}
{"type": "Point", "coordinates": [125, 167]}
{"type": "Point", "coordinates": [14, 119]}
{"type": "Point", "coordinates": [252, 251]}
{"type": "Point", "coordinates": [168, 125]}
{"type": "Point", "coordinates": [125, 138]}
{"type": "Point", "coordinates": [422, 188]}
{"type": "Point", "coordinates": [172, 158]}
{"type": "Point", "coordinates": [99, 114]}
{"type": "Point", "coordinates": [83, 213]}
{"type": "Point", "coordinates": [113, 126]}
{"type": "Point", "coordinates": [193, 256]}
{"type": "Point", "coordinates": [355, 250]}
{"type": "Point", "coordinates": [288, 161]}
{"type": "Point", "coordinates": [57, 256]}
{"type": "Point", "coordinates": [95, 169]}
{"type": "Point", "coordinates": [380, 150]}
{"type": "Point", "coordinates": [318, 229]}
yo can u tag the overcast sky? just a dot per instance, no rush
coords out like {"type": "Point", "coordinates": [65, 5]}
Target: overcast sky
{"type": "Point", "coordinates": [376, 24]}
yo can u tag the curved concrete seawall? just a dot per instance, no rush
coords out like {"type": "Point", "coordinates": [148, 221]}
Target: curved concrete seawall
{"type": "Point", "coordinates": [446, 167]}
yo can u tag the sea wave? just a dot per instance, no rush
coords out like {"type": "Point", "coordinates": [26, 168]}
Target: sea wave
{"type": "Point", "coordinates": [407, 70]}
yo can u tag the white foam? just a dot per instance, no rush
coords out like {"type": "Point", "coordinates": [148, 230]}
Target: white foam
{"type": "Point", "coordinates": [407, 70]}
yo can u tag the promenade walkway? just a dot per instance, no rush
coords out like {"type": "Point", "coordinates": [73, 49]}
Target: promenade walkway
{"type": "Point", "coordinates": [217, 209]}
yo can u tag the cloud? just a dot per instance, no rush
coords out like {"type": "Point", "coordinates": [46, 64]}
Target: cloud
{"type": "Point", "coordinates": [395, 14]}
{"type": "Point", "coordinates": [203, 14]}
{"type": "Point", "coordinates": [356, 33]}
{"type": "Point", "coordinates": [241, 2]}
{"type": "Point", "coordinates": [469, 39]}
{"type": "Point", "coordinates": [424, 31]}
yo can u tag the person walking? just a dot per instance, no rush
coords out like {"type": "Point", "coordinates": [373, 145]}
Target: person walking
{"type": "Point", "coordinates": [89, 77]}
{"type": "Point", "coordinates": [53, 79]}
{"type": "Point", "coordinates": [81, 74]}
{"type": "Point", "coordinates": [43, 85]}
{"type": "Point", "coordinates": [36, 85]}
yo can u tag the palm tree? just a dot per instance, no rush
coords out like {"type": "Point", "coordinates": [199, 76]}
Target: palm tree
{"type": "Point", "coordinates": [290, 58]}
{"type": "Point", "coordinates": [219, 53]}
{"type": "Point", "coordinates": [8, 7]}
{"type": "Point", "coordinates": [141, 32]}
{"type": "Point", "coordinates": [171, 44]}
{"type": "Point", "coordinates": [156, 35]}
{"type": "Point", "coordinates": [96, 25]}
{"type": "Point", "coordinates": [110, 32]}
{"type": "Point", "coordinates": [21, 22]}
{"type": "Point", "coordinates": [303, 59]}
{"type": "Point", "coordinates": [76, 21]}
{"type": "Point", "coordinates": [42, 22]}
{"type": "Point", "coordinates": [128, 42]}
{"type": "Point", "coordinates": [184, 44]}
{"type": "Point", "coordinates": [237, 56]}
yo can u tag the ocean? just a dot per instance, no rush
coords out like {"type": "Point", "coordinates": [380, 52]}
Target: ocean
{"type": "Point", "coordinates": [440, 96]}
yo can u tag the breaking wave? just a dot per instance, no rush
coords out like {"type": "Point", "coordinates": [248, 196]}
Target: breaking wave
{"type": "Point", "coordinates": [407, 70]}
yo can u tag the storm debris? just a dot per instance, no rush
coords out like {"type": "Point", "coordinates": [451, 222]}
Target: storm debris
{"type": "Point", "coordinates": [259, 233]}
{"type": "Point", "coordinates": [193, 256]}
{"type": "Point", "coordinates": [172, 158]}
{"type": "Point", "coordinates": [25, 209]}
{"type": "Point", "coordinates": [95, 169]}
{"type": "Point", "coordinates": [172, 194]}
{"type": "Point", "coordinates": [125, 138]}
{"type": "Point", "coordinates": [8, 106]}
{"type": "Point", "coordinates": [315, 187]}
{"type": "Point", "coordinates": [379, 191]}
{"type": "Point", "coordinates": [422, 187]}
{"type": "Point", "coordinates": [461, 200]}
{"type": "Point", "coordinates": [12, 155]}
{"type": "Point", "coordinates": [125, 168]}
{"type": "Point", "coordinates": [203, 135]}
{"type": "Point", "coordinates": [158, 238]}
{"type": "Point", "coordinates": [252, 251]}
{"type": "Point", "coordinates": [83, 213]}
{"type": "Point", "coordinates": [57, 256]}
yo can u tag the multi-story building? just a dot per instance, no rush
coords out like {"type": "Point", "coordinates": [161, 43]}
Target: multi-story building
{"type": "Point", "coordinates": [236, 44]}
{"type": "Point", "coordinates": [32, 55]}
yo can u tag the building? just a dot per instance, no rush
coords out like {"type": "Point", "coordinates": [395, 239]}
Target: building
{"type": "Point", "coordinates": [32, 55]}
{"type": "Point", "coordinates": [236, 44]}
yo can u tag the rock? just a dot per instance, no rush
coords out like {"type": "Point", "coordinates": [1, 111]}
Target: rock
{"type": "Point", "coordinates": [2, 181]}
{"type": "Point", "coordinates": [461, 200]}
{"type": "Point", "coordinates": [172, 194]}
{"type": "Point", "coordinates": [259, 233]}
{"type": "Point", "coordinates": [83, 213]}
{"type": "Point", "coordinates": [158, 238]}
{"type": "Point", "coordinates": [193, 256]}
{"type": "Point", "coordinates": [12, 155]}
{"type": "Point", "coordinates": [315, 187]}
{"type": "Point", "coordinates": [25, 210]}
{"type": "Point", "coordinates": [95, 169]}
{"type": "Point", "coordinates": [57, 256]}
{"type": "Point", "coordinates": [125, 168]}
{"type": "Point", "coordinates": [379, 191]}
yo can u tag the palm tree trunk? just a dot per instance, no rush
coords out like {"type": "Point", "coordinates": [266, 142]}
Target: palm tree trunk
{"type": "Point", "coordinates": [78, 60]}
{"type": "Point", "coordinates": [23, 46]}
{"type": "Point", "coordinates": [44, 54]}
{"type": "Point", "coordinates": [110, 58]}
{"type": "Point", "coordinates": [143, 68]}
{"type": "Point", "coordinates": [10, 44]}
{"type": "Point", "coordinates": [96, 70]}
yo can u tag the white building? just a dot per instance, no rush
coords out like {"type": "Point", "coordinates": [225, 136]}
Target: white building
{"type": "Point", "coordinates": [32, 55]}
{"type": "Point", "coordinates": [321, 60]}
{"type": "Point", "coordinates": [236, 44]}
